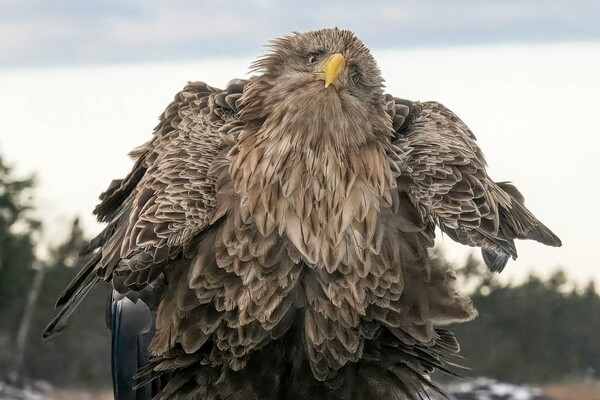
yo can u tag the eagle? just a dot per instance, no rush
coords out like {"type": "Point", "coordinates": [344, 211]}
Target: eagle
{"type": "Point", "coordinates": [274, 238]}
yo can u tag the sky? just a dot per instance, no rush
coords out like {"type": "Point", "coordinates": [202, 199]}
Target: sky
{"type": "Point", "coordinates": [58, 32]}
{"type": "Point", "coordinates": [82, 83]}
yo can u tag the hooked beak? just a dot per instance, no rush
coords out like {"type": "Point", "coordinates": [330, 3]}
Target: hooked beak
{"type": "Point", "coordinates": [332, 69]}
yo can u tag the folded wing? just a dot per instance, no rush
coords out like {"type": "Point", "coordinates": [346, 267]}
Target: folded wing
{"type": "Point", "coordinates": [155, 212]}
{"type": "Point", "coordinates": [444, 173]}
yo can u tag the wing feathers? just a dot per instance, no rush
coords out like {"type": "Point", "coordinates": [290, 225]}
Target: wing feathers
{"type": "Point", "coordinates": [445, 174]}
{"type": "Point", "coordinates": [168, 197]}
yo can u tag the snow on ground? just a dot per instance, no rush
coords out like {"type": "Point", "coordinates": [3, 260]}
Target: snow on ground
{"type": "Point", "coordinates": [490, 389]}
{"type": "Point", "coordinates": [475, 389]}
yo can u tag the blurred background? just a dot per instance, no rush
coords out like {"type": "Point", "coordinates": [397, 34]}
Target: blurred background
{"type": "Point", "coordinates": [83, 82]}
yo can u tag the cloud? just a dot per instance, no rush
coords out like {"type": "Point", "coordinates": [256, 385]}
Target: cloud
{"type": "Point", "coordinates": [53, 32]}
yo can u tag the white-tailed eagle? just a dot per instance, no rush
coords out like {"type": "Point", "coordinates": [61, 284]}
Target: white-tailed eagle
{"type": "Point", "coordinates": [280, 231]}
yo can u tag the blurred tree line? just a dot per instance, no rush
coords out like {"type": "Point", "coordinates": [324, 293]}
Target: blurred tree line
{"type": "Point", "coordinates": [80, 356]}
{"type": "Point", "coordinates": [539, 331]}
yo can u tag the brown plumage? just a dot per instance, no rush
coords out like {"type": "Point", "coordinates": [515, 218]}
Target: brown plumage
{"type": "Point", "coordinates": [290, 218]}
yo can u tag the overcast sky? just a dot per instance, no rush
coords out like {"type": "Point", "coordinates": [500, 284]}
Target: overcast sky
{"type": "Point", "coordinates": [58, 32]}
{"type": "Point", "coordinates": [522, 74]}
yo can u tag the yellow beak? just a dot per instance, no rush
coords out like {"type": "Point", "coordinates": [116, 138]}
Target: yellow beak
{"type": "Point", "coordinates": [332, 69]}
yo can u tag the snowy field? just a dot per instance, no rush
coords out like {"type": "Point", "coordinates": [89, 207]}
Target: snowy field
{"type": "Point", "coordinates": [475, 389]}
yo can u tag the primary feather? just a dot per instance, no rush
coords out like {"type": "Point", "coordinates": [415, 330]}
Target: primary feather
{"type": "Point", "coordinates": [290, 222]}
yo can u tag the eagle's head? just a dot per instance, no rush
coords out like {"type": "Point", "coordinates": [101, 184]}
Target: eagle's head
{"type": "Point", "coordinates": [320, 59]}
{"type": "Point", "coordinates": [323, 86]}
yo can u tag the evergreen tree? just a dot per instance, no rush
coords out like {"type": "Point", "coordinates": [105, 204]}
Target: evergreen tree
{"type": "Point", "coordinates": [536, 332]}
{"type": "Point", "coordinates": [17, 256]}
{"type": "Point", "coordinates": [81, 355]}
